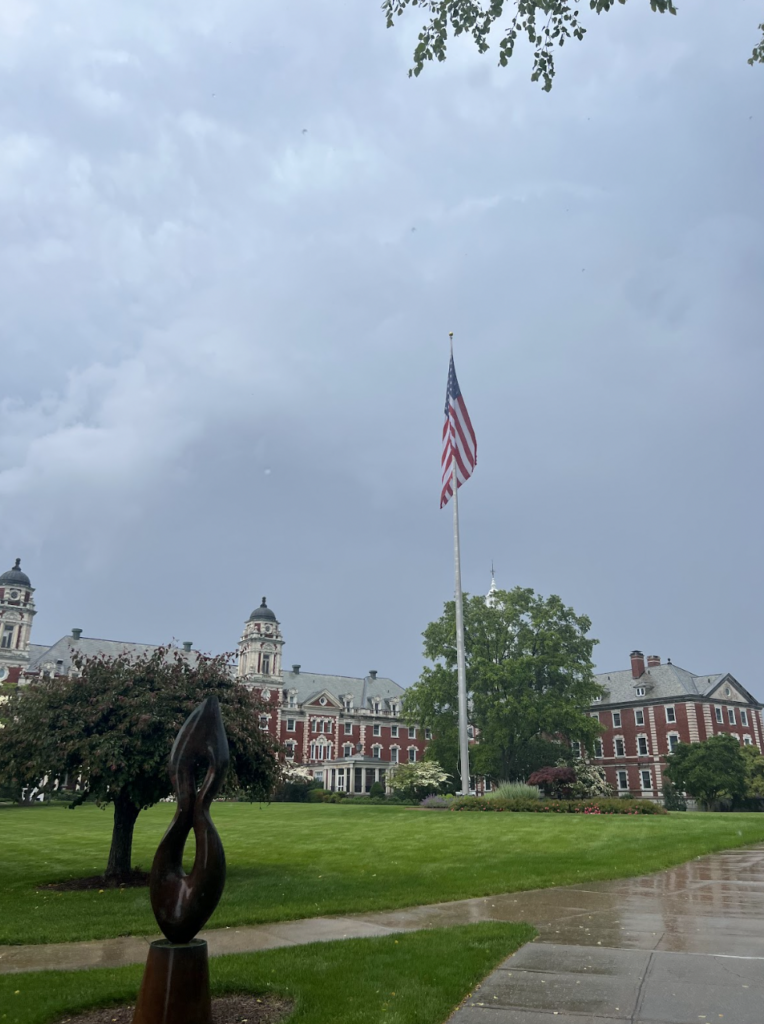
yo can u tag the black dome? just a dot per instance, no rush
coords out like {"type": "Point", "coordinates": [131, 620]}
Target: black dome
{"type": "Point", "coordinates": [15, 575]}
{"type": "Point", "coordinates": [262, 613]}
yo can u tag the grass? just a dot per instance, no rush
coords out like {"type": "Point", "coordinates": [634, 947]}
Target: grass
{"type": "Point", "coordinates": [287, 861]}
{"type": "Point", "coordinates": [415, 978]}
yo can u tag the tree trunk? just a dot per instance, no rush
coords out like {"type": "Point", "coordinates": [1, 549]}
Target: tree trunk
{"type": "Point", "coordinates": [120, 854]}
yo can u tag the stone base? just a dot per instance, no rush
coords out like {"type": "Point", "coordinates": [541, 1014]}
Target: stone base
{"type": "Point", "coordinates": [176, 985]}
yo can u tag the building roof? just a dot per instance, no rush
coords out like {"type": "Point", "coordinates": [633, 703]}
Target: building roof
{"type": "Point", "coordinates": [15, 575]}
{"type": "Point", "coordinates": [362, 690]}
{"type": "Point", "coordinates": [262, 613]}
{"type": "Point", "coordinates": [661, 682]}
{"type": "Point", "coordinates": [61, 653]}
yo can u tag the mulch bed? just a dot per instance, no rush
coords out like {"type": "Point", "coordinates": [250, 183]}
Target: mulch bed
{"type": "Point", "coordinates": [135, 880]}
{"type": "Point", "coordinates": [263, 1009]}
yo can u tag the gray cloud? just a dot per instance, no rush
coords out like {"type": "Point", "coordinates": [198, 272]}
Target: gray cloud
{"type": "Point", "coordinates": [234, 241]}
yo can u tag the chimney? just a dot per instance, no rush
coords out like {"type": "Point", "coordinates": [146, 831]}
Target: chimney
{"type": "Point", "coordinates": [653, 660]}
{"type": "Point", "coordinates": [373, 673]}
{"type": "Point", "coordinates": [76, 633]}
{"type": "Point", "coordinates": [296, 669]}
{"type": "Point", "coordinates": [637, 664]}
{"type": "Point", "coordinates": [187, 645]}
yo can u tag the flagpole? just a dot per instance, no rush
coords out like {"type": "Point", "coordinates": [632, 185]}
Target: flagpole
{"type": "Point", "coordinates": [461, 668]}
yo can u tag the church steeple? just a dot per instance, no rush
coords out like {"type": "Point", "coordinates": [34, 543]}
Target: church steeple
{"type": "Point", "coordinates": [260, 648]}
{"type": "Point", "coordinates": [490, 597]}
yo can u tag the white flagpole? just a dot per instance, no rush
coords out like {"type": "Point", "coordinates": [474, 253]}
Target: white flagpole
{"type": "Point", "coordinates": [461, 668]}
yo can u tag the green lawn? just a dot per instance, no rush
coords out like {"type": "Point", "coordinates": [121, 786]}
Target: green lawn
{"type": "Point", "coordinates": [416, 978]}
{"type": "Point", "coordinates": [288, 861]}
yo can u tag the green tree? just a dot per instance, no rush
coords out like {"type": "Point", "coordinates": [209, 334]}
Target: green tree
{"type": "Point", "coordinates": [710, 771]}
{"type": "Point", "coordinates": [529, 676]}
{"type": "Point", "coordinates": [754, 773]}
{"type": "Point", "coordinates": [109, 729]}
{"type": "Point", "coordinates": [417, 780]}
{"type": "Point", "coordinates": [547, 24]}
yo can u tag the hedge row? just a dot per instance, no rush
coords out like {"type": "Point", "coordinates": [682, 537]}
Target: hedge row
{"type": "Point", "coordinates": [602, 806]}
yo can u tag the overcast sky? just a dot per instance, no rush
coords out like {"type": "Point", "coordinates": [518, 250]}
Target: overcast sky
{"type": "Point", "coordinates": [235, 236]}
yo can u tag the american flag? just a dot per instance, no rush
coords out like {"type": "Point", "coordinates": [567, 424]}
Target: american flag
{"type": "Point", "coordinates": [459, 441]}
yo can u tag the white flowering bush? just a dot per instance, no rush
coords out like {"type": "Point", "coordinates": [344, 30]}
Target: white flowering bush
{"type": "Point", "coordinates": [590, 781]}
{"type": "Point", "coordinates": [418, 779]}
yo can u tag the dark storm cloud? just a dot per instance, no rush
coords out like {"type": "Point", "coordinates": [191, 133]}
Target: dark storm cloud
{"type": "Point", "coordinates": [234, 241]}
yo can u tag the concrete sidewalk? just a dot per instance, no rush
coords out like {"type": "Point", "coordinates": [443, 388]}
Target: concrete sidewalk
{"type": "Point", "coordinates": [680, 947]}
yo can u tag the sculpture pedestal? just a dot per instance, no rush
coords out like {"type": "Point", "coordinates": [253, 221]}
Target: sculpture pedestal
{"type": "Point", "coordinates": [176, 985]}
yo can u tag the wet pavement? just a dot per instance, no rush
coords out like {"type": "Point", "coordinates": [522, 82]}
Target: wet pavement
{"type": "Point", "coordinates": [683, 945]}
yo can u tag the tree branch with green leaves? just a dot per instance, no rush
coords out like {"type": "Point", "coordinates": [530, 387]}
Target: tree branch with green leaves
{"type": "Point", "coordinates": [546, 24]}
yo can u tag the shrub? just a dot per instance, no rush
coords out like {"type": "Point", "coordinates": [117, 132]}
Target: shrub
{"type": "Point", "coordinates": [435, 801]}
{"type": "Point", "coordinates": [673, 799]}
{"type": "Point", "coordinates": [318, 796]}
{"type": "Point", "coordinates": [591, 782]}
{"type": "Point", "coordinates": [377, 789]}
{"type": "Point", "coordinates": [605, 806]}
{"type": "Point", "coordinates": [555, 783]}
{"type": "Point", "coordinates": [514, 791]}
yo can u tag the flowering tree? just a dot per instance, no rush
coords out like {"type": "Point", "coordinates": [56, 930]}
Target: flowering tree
{"type": "Point", "coordinates": [590, 781]}
{"type": "Point", "coordinates": [417, 780]}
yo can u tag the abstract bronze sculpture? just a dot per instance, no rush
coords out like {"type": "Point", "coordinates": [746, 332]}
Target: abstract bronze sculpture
{"type": "Point", "coordinates": [175, 987]}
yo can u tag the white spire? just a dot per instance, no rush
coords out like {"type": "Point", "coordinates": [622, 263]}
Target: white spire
{"type": "Point", "coordinates": [490, 597]}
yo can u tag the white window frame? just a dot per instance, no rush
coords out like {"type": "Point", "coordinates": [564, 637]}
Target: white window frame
{"type": "Point", "coordinates": [747, 741]}
{"type": "Point", "coordinates": [594, 714]}
{"type": "Point", "coordinates": [377, 729]}
{"type": "Point", "coordinates": [376, 751]}
{"type": "Point", "coordinates": [598, 749]}
{"type": "Point", "coordinates": [639, 716]}
{"type": "Point", "coordinates": [672, 709]}
{"type": "Point", "coordinates": [412, 732]}
{"type": "Point", "coordinates": [340, 779]}
{"type": "Point", "coordinates": [731, 716]}
{"type": "Point", "coordinates": [744, 717]}
{"type": "Point", "coordinates": [646, 752]}
{"type": "Point", "coordinates": [616, 719]}
{"type": "Point", "coordinates": [394, 732]}
{"type": "Point", "coordinates": [290, 746]}
{"type": "Point", "coordinates": [412, 755]}
{"type": "Point", "coordinates": [597, 700]}
{"type": "Point", "coordinates": [347, 749]}
{"type": "Point", "coordinates": [641, 691]}
{"type": "Point", "coordinates": [616, 741]}
{"type": "Point", "coordinates": [649, 774]}
{"type": "Point", "coordinates": [264, 718]}
{"type": "Point", "coordinates": [622, 774]}
{"type": "Point", "coordinates": [291, 725]}
{"type": "Point", "coordinates": [428, 734]}
{"type": "Point", "coordinates": [575, 746]}
{"type": "Point", "coordinates": [348, 728]}
{"type": "Point", "coordinates": [395, 753]}
{"type": "Point", "coordinates": [719, 715]}
{"type": "Point", "coordinates": [672, 736]}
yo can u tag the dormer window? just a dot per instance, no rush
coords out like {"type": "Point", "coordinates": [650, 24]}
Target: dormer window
{"type": "Point", "coordinates": [376, 705]}
{"type": "Point", "coordinates": [640, 691]}
{"type": "Point", "coordinates": [597, 700]}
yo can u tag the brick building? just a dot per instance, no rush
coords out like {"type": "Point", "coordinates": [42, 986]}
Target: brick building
{"type": "Point", "coordinates": [346, 729]}
{"type": "Point", "coordinates": [647, 709]}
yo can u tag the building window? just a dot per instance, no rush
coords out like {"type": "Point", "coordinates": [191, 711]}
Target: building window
{"type": "Point", "coordinates": [616, 719]}
{"type": "Point", "coordinates": [348, 728]}
{"type": "Point", "coordinates": [639, 716]}
{"type": "Point", "coordinates": [340, 780]}
{"type": "Point", "coordinates": [394, 731]}
{"type": "Point", "coordinates": [7, 637]}
{"type": "Point", "coordinates": [290, 725]}
{"type": "Point", "coordinates": [719, 716]}
{"type": "Point", "coordinates": [597, 700]}
{"type": "Point", "coordinates": [623, 780]}
{"type": "Point", "coordinates": [670, 714]}
{"type": "Point", "coordinates": [292, 700]}
{"type": "Point", "coordinates": [595, 714]}
{"type": "Point", "coordinates": [266, 664]}
{"type": "Point", "coordinates": [263, 721]}
{"type": "Point", "coordinates": [618, 746]}
{"type": "Point", "coordinates": [428, 734]}
{"type": "Point", "coordinates": [376, 750]}
{"type": "Point", "coordinates": [376, 707]}
{"type": "Point", "coordinates": [747, 742]}
{"type": "Point", "coordinates": [598, 748]}
{"type": "Point", "coordinates": [647, 779]}
{"type": "Point", "coordinates": [412, 731]}
{"type": "Point", "coordinates": [377, 730]}
{"type": "Point", "coordinates": [290, 750]}
{"type": "Point", "coordinates": [394, 755]}
{"type": "Point", "coordinates": [731, 715]}
{"type": "Point", "coordinates": [673, 740]}
{"type": "Point", "coordinates": [743, 716]}
{"type": "Point", "coordinates": [412, 754]}
{"type": "Point", "coordinates": [642, 746]}
{"type": "Point", "coordinates": [640, 691]}
{"type": "Point", "coordinates": [347, 750]}
{"type": "Point", "coordinates": [575, 746]}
